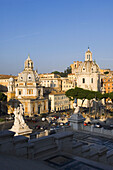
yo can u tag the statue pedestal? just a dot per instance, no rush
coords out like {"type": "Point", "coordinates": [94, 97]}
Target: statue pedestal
{"type": "Point", "coordinates": [76, 121]}
{"type": "Point", "coordinates": [19, 130]}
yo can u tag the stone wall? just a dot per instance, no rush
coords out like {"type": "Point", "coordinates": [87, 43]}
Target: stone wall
{"type": "Point", "coordinates": [98, 130]}
{"type": "Point", "coordinates": [34, 148]}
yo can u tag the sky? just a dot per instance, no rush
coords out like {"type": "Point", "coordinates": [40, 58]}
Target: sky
{"type": "Point", "coordinates": [54, 33]}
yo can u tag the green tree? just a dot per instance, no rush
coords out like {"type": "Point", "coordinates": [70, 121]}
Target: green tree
{"type": "Point", "coordinates": [110, 96]}
{"type": "Point", "coordinates": [84, 94]}
{"type": "Point", "coordinates": [63, 74]}
{"type": "Point", "coordinates": [3, 97]}
{"type": "Point", "coordinates": [80, 93]}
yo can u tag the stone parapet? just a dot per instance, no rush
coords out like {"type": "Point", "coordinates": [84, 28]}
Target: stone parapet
{"type": "Point", "coordinates": [6, 141]}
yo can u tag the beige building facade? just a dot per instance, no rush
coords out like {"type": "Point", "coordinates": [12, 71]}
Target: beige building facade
{"type": "Point", "coordinates": [88, 75]}
{"type": "Point", "coordinates": [28, 91]}
{"type": "Point", "coordinates": [59, 101]}
{"type": "Point", "coordinates": [51, 80]}
{"type": "Point", "coordinates": [68, 83]}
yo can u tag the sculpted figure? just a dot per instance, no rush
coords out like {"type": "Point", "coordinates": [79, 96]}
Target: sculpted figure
{"type": "Point", "coordinates": [19, 120]}
{"type": "Point", "coordinates": [16, 119]}
{"type": "Point", "coordinates": [77, 108]}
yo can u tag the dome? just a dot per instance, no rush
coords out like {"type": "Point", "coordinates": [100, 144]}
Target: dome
{"type": "Point", "coordinates": [11, 79]}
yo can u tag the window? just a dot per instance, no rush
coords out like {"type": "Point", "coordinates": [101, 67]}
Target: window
{"type": "Point", "coordinates": [91, 80]}
{"type": "Point", "coordinates": [28, 64]}
{"type": "Point", "coordinates": [89, 57]}
{"type": "Point", "coordinates": [29, 91]}
{"type": "Point", "coordinates": [83, 80]}
{"type": "Point", "coordinates": [29, 76]}
{"type": "Point", "coordinates": [19, 92]}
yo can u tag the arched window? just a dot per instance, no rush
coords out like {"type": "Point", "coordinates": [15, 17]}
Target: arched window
{"type": "Point", "coordinates": [29, 76]}
{"type": "Point", "coordinates": [89, 57]}
{"type": "Point", "coordinates": [83, 80]}
{"type": "Point", "coordinates": [28, 64]}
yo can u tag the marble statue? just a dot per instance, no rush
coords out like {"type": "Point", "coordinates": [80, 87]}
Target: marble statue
{"type": "Point", "coordinates": [19, 112]}
{"type": "Point", "coordinates": [77, 108]}
{"type": "Point", "coordinates": [20, 127]}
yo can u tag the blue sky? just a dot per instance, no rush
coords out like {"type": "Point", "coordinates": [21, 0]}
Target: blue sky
{"type": "Point", "coordinates": [55, 33]}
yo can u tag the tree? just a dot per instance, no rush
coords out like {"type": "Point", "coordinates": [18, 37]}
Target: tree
{"type": "Point", "coordinates": [77, 93]}
{"type": "Point", "coordinates": [3, 97]}
{"type": "Point", "coordinates": [80, 93]}
{"type": "Point", "coordinates": [111, 96]}
{"type": "Point", "coordinates": [90, 96]}
{"type": "Point", "coordinates": [84, 94]}
{"type": "Point", "coordinates": [63, 74]}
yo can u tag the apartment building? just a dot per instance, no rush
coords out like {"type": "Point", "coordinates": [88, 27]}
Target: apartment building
{"type": "Point", "coordinates": [59, 101]}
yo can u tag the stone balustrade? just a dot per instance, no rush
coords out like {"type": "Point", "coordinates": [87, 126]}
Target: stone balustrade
{"type": "Point", "coordinates": [44, 147]}
{"type": "Point", "coordinates": [34, 148]}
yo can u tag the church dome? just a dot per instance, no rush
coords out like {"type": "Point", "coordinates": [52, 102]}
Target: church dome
{"type": "Point", "coordinates": [11, 79]}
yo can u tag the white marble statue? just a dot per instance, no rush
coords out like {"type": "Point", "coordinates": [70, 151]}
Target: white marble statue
{"type": "Point", "coordinates": [19, 120]}
{"type": "Point", "coordinates": [77, 108]}
{"type": "Point", "coordinates": [21, 114]}
{"type": "Point", "coordinates": [20, 127]}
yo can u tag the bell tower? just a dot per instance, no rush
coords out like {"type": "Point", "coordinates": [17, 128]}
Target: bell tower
{"type": "Point", "coordinates": [28, 65]}
{"type": "Point", "coordinates": [88, 55]}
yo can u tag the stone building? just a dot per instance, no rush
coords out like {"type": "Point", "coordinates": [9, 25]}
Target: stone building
{"type": "Point", "coordinates": [59, 101]}
{"type": "Point", "coordinates": [108, 81]}
{"type": "Point", "coordinates": [51, 80]}
{"type": "Point", "coordinates": [75, 65]}
{"type": "Point", "coordinates": [28, 91]}
{"type": "Point", "coordinates": [68, 83]}
{"type": "Point", "coordinates": [88, 75]}
{"type": "Point", "coordinates": [4, 81]}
